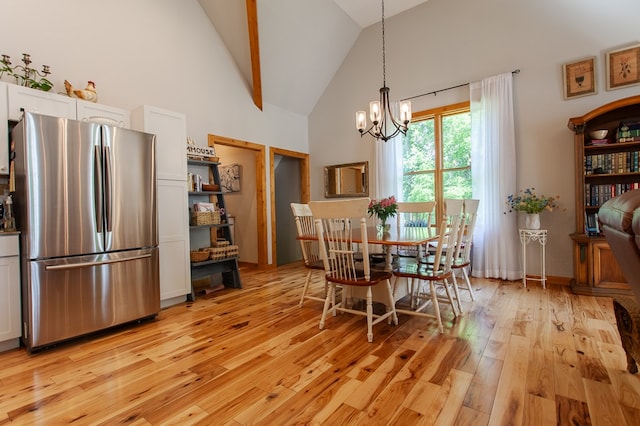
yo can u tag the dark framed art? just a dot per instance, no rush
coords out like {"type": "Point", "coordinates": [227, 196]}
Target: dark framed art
{"type": "Point", "coordinates": [622, 67]}
{"type": "Point", "coordinates": [579, 78]}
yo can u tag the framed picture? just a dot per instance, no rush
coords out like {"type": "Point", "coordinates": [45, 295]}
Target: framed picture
{"type": "Point", "coordinates": [622, 67]}
{"type": "Point", "coordinates": [230, 178]}
{"type": "Point", "coordinates": [579, 78]}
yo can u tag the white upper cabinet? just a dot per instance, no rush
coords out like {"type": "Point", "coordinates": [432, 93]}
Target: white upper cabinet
{"type": "Point", "coordinates": [4, 131]}
{"type": "Point", "coordinates": [33, 100]}
{"type": "Point", "coordinates": [170, 129]}
{"type": "Point", "coordinates": [89, 111]}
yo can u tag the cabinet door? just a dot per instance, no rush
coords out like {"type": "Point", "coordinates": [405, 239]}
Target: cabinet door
{"type": "Point", "coordinates": [40, 102]}
{"type": "Point", "coordinates": [4, 131]}
{"type": "Point", "coordinates": [9, 291]}
{"type": "Point", "coordinates": [581, 263]}
{"type": "Point", "coordinates": [173, 231]}
{"type": "Point", "coordinates": [606, 272]}
{"type": "Point", "coordinates": [90, 111]}
{"type": "Point", "coordinates": [170, 129]}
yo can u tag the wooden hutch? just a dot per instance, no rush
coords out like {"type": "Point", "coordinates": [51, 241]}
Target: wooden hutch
{"type": "Point", "coordinates": [603, 170]}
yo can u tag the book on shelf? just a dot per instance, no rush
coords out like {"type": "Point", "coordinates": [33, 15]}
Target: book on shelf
{"type": "Point", "coordinates": [597, 142]}
{"type": "Point", "coordinates": [591, 224]}
{"type": "Point", "coordinates": [628, 139]}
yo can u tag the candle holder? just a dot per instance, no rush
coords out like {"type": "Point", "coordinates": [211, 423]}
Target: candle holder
{"type": "Point", "coordinates": [25, 75]}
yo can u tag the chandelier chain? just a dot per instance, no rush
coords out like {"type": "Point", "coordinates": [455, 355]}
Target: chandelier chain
{"type": "Point", "coordinates": [384, 62]}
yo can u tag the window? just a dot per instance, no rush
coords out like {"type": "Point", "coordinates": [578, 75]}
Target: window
{"type": "Point", "coordinates": [437, 155]}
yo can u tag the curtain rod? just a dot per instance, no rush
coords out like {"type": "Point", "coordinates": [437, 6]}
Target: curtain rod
{"type": "Point", "coordinates": [435, 92]}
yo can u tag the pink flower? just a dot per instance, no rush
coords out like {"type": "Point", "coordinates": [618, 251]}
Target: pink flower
{"type": "Point", "coordinates": [384, 208]}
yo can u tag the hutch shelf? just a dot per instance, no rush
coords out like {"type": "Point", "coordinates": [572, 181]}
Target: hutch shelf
{"type": "Point", "coordinates": [604, 169]}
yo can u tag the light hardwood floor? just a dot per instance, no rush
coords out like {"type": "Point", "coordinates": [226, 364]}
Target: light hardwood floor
{"type": "Point", "coordinates": [252, 356]}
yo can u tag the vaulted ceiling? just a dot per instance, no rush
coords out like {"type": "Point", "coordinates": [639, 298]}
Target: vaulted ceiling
{"type": "Point", "coordinates": [289, 50]}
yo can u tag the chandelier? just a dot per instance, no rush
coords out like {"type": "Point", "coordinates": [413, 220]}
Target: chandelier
{"type": "Point", "coordinates": [384, 125]}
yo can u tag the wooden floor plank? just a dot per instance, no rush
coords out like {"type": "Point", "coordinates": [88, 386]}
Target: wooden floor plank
{"type": "Point", "coordinates": [253, 356]}
{"type": "Point", "coordinates": [508, 407]}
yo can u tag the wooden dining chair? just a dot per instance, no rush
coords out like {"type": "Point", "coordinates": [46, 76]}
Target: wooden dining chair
{"type": "Point", "coordinates": [437, 274]}
{"type": "Point", "coordinates": [336, 221]}
{"type": "Point", "coordinates": [453, 228]}
{"type": "Point", "coordinates": [310, 248]}
{"type": "Point", "coordinates": [415, 215]}
{"type": "Point", "coordinates": [453, 210]}
{"type": "Point", "coordinates": [462, 258]}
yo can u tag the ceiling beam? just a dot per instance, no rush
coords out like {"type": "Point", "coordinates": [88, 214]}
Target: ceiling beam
{"type": "Point", "coordinates": [254, 45]}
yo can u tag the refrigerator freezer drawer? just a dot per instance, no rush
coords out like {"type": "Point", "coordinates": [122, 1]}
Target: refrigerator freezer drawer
{"type": "Point", "coordinates": [69, 297]}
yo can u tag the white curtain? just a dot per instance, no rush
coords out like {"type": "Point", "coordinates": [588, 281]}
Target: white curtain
{"type": "Point", "coordinates": [388, 164]}
{"type": "Point", "coordinates": [496, 251]}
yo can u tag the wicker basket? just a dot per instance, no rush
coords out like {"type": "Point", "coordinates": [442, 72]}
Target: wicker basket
{"type": "Point", "coordinates": [232, 251]}
{"type": "Point", "coordinates": [205, 218]}
{"type": "Point", "coordinates": [199, 255]}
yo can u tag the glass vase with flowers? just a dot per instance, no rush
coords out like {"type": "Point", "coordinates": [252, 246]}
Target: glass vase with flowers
{"type": "Point", "coordinates": [383, 210]}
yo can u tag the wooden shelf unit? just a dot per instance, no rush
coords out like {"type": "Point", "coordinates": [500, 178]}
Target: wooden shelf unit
{"type": "Point", "coordinates": [596, 271]}
{"type": "Point", "coordinates": [227, 266]}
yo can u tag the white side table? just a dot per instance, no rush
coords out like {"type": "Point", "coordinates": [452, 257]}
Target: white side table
{"type": "Point", "coordinates": [526, 236]}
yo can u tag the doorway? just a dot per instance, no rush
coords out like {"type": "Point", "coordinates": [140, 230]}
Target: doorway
{"type": "Point", "coordinates": [289, 174]}
{"type": "Point", "coordinates": [258, 238]}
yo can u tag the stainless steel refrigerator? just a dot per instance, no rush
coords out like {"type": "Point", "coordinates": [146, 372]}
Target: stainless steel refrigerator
{"type": "Point", "coordinates": [85, 204]}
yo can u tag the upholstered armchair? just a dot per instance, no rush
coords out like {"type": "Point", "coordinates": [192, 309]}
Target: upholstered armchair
{"type": "Point", "coordinates": [620, 220]}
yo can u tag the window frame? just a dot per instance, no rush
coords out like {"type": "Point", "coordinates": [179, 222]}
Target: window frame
{"type": "Point", "coordinates": [437, 114]}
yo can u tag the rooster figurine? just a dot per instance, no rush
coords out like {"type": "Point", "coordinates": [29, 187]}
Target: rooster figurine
{"type": "Point", "coordinates": [88, 93]}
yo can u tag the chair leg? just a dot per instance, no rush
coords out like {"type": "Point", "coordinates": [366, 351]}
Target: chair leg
{"type": "Point", "coordinates": [394, 316]}
{"type": "Point", "coordinates": [436, 306]}
{"type": "Point", "coordinates": [327, 302]}
{"type": "Point", "coordinates": [445, 284]}
{"type": "Point", "coordinates": [306, 287]}
{"type": "Point", "coordinates": [468, 283]}
{"type": "Point", "coordinates": [369, 315]}
{"type": "Point", "coordinates": [456, 292]}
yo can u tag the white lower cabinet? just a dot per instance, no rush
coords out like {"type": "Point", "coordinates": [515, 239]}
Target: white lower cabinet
{"type": "Point", "coordinates": [10, 330]}
{"type": "Point", "coordinates": [173, 230]}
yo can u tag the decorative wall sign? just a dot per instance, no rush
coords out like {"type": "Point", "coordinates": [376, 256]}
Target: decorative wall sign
{"type": "Point", "coordinates": [230, 178]}
{"type": "Point", "coordinates": [622, 67]}
{"type": "Point", "coordinates": [579, 78]}
{"type": "Point", "coordinates": [199, 152]}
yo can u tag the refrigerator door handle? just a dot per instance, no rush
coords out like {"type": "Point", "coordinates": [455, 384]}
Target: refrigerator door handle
{"type": "Point", "coordinates": [97, 179]}
{"type": "Point", "coordinates": [108, 185]}
{"type": "Point", "coordinates": [98, 263]}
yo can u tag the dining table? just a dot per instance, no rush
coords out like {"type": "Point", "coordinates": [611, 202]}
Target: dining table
{"type": "Point", "coordinates": [390, 236]}
{"type": "Point", "coordinates": [387, 237]}
{"type": "Point", "coordinates": [406, 236]}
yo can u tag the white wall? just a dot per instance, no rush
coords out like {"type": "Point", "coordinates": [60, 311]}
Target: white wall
{"type": "Point", "coordinates": [242, 205]}
{"type": "Point", "coordinates": [158, 52]}
{"type": "Point", "coordinates": [442, 43]}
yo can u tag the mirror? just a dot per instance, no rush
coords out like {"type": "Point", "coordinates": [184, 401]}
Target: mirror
{"type": "Point", "coordinates": [346, 180]}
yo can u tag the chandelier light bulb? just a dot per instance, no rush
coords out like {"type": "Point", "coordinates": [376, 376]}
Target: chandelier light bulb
{"type": "Point", "coordinates": [405, 112]}
{"type": "Point", "coordinates": [361, 120]}
{"type": "Point", "coordinates": [374, 111]}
